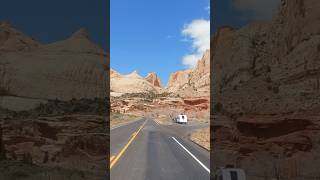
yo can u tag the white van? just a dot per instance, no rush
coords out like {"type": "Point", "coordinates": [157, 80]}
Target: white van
{"type": "Point", "coordinates": [182, 118]}
{"type": "Point", "coordinates": [229, 174]}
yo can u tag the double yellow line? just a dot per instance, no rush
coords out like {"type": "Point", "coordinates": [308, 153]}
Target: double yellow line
{"type": "Point", "coordinates": [113, 159]}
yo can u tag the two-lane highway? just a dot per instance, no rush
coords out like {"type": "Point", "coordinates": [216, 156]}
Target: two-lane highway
{"type": "Point", "coordinates": [145, 150]}
{"type": "Point", "coordinates": [121, 135]}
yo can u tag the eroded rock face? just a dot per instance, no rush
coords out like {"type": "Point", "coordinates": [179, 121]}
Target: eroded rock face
{"type": "Point", "coordinates": [58, 142]}
{"type": "Point", "coordinates": [143, 104]}
{"type": "Point", "coordinates": [68, 135]}
{"type": "Point", "coordinates": [201, 75]}
{"type": "Point", "coordinates": [72, 68]}
{"type": "Point", "coordinates": [272, 67]}
{"type": "Point", "coordinates": [131, 83]}
{"type": "Point", "coordinates": [192, 82]}
{"type": "Point", "coordinates": [154, 80]}
{"type": "Point", "coordinates": [178, 80]}
{"type": "Point", "coordinates": [265, 84]}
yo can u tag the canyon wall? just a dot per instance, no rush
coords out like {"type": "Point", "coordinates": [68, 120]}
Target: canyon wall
{"type": "Point", "coordinates": [265, 87]}
{"type": "Point", "coordinates": [193, 82]}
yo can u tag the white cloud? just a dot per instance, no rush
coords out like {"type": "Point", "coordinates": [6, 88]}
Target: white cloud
{"type": "Point", "coordinates": [262, 9]}
{"type": "Point", "coordinates": [191, 60]}
{"type": "Point", "coordinates": [198, 31]}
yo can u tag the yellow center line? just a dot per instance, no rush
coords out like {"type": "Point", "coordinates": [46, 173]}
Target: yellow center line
{"type": "Point", "coordinates": [114, 160]}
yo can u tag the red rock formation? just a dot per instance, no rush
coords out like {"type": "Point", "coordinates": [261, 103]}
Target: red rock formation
{"type": "Point", "coordinates": [195, 101]}
{"type": "Point", "coordinates": [154, 79]}
{"type": "Point", "coordinates": [192, 82]}
{"type": "Point", "coordinates": [178, 80]}
{"type": "Point", "coordinates": [132, 83]}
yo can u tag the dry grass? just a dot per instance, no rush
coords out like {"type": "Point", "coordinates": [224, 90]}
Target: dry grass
{"type": "Point", "coordinates": [164, 120]}
{"type": "Point", "coordinates": [202, 137]}
{"type": "Point", "coordinates": [117, 119]}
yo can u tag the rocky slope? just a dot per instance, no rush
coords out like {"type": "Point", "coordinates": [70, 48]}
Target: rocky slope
{"type": "Point", "coordinates": [53, 104]}
{"type": "Point", "coordinates": [178, 80]}
{"type": "Point", "coordinates": [154, 80]}
{"type": "Point", "coordinates": [142, 104]}
{"type": "Point", "coordinates": [72, 68]}
{"type": "Point", "coordinates": [60, 135]}
{"type": "Point", "coordinates": [266, 90]}
{"type": "Point", "coordinates": [133, 83]}
{"type": "Point", "coordinates": [192, 82]}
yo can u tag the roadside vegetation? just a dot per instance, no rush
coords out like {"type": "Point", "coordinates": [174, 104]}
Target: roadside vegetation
{"type": "Point", "coordinates": [117, 119]}
{"type": "Point", "coordinates": [147, 96]}
{"type": "Point", "coordinates": [164, 119]}
{"type": "Point", "coordinates": [57, 107]}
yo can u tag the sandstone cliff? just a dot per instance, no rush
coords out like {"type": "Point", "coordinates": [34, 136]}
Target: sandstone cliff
{"type": "Point", "coordinates": [72, 68]}
{"type": "Point", "coordinates": [178, 80]}
{"type": "Point", "coordinates": [133, 83]}
{"type": "Point", "coordinates": [273, 66]}
{"type": "Point", "coordinates": [192, 82]}
{"type": "Point", "coordinates": [154, 79]}
{"type": "Point", "coordinates": [265, 84]}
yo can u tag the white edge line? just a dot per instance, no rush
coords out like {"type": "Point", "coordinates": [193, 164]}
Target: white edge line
{"type": "Point", "coordinates": [125, 124]}
{"type": "Point", "coordinates": [194, 157]}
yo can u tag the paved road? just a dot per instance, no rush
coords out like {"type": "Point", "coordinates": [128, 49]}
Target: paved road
{"type": "Point", "coordinates": [156, 153]}
{"type": "Point", "coordinates": [121, 135]}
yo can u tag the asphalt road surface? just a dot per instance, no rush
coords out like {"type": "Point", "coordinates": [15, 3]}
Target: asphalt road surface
{"type": "Point", "coordinates": [145, 150]}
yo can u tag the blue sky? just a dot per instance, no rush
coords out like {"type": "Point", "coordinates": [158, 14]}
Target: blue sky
{"type": "Point", "coordinates": [146, 35]}
{"type": "Point", "coordinates": [49, 21]}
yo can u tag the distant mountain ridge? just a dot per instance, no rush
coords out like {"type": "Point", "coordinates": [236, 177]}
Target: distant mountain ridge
{"type": "Point", "coordinates": [134, 83]}
{"type": "Point", "coordinates": [66, 69]}
{"type": "Point", "coordinates": [14, 40]}
{"type": "Point", "coordinates": [190, 82]}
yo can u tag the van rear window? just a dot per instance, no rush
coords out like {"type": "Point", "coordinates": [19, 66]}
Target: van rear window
{"type": "Point", "coordinates": [234, 175]}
